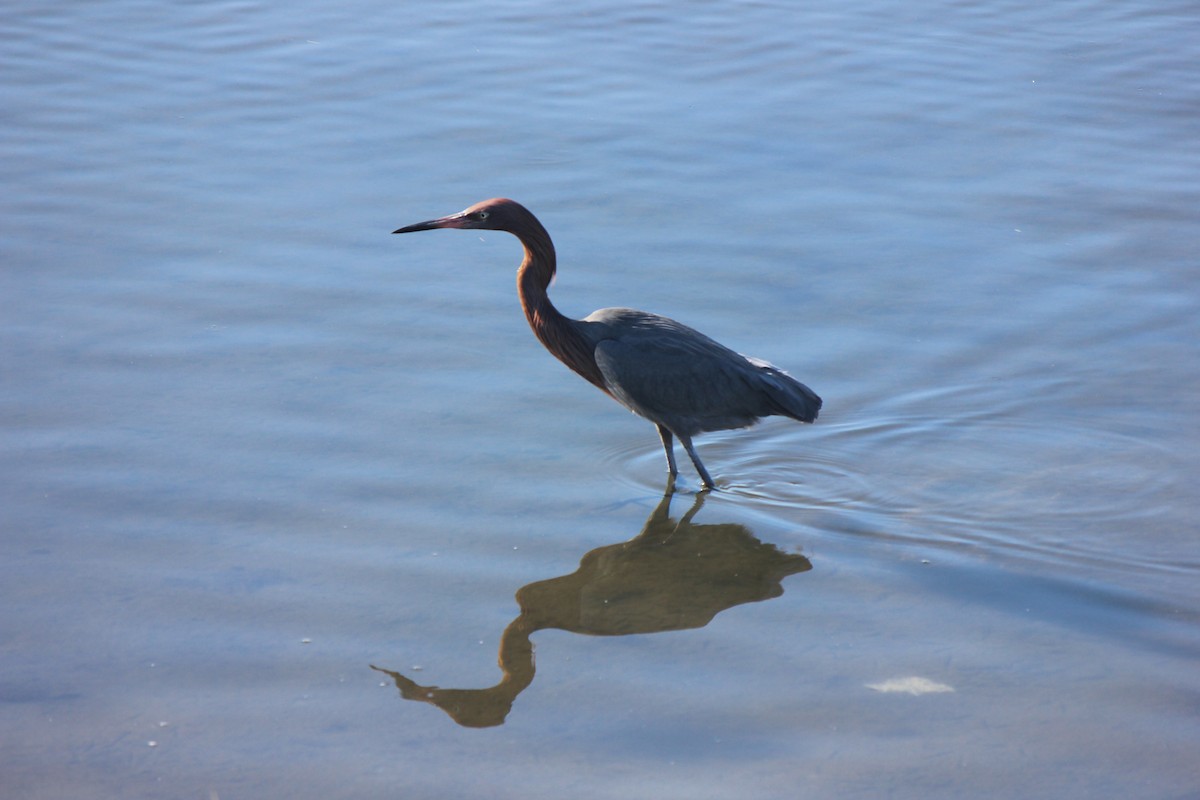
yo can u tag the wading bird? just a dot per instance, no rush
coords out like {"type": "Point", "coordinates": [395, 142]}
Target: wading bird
{"type": "Point", "coordinates": [676, 377]}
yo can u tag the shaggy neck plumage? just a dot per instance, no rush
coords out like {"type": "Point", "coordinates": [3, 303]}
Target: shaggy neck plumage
{"type": "Point", "coordinates": [555, 331]}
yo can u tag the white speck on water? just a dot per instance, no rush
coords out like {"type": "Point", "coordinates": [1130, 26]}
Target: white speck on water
{"type": "Point", "coordinates": [910, 685]}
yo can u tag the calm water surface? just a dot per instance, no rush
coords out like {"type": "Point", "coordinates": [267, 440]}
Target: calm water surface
{"type": "Point", "coordinates": [276, 487]}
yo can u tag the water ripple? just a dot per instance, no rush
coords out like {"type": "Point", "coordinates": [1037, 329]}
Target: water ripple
{"type": "Point", "coordinates": [938, 467]}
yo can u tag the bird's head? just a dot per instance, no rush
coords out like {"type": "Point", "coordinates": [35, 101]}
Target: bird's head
{"type": "Point", "coordinates": [497, 214]}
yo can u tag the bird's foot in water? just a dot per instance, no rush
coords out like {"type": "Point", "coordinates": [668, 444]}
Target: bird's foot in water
{"type": "Point", "coordinates": [671, 488]}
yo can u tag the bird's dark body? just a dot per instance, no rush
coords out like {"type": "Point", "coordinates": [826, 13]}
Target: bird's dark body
{"type": "Point", "coordinates": [671, 374]}
{"type": "Point", "coordinates": [676, 376]}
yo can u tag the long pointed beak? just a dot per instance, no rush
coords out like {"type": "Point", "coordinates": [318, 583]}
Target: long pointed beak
{"type": "Point", "coordinates": [452, 221]}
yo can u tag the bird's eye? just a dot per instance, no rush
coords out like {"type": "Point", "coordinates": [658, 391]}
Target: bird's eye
{"type": "Point", "coordinates": [481, 215]}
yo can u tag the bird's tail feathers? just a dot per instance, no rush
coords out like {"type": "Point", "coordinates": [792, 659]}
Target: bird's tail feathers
{"type": "Point", "coordinates": [788, 397]}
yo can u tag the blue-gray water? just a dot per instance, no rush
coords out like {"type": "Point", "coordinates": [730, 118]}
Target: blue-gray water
{"type": "Point", "coordinates": [251, 445]}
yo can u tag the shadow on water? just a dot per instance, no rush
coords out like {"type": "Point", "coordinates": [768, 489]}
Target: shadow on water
{"type": "Point", "coordinates": [672, 576]}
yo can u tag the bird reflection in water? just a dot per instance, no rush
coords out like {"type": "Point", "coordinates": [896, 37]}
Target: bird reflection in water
{"type": "Point", "coordinates": [672, 576]}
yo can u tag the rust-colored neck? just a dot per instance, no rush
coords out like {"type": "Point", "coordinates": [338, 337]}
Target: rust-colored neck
{"type": "Point", "coordinates": [555, 331]}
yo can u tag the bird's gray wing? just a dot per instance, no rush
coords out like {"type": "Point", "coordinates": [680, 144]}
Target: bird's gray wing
{"type": "Point", "coordinates": [676, 376]}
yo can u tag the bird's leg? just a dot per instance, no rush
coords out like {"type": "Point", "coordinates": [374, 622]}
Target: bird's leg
{"type": "Point", "coordinates": [686, 441]}
{"type": "Point", "coordinates": [665, 435]}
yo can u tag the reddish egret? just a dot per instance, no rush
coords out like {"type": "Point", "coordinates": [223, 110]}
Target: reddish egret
{"type": "Point", "coordinates": [678, 378]}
